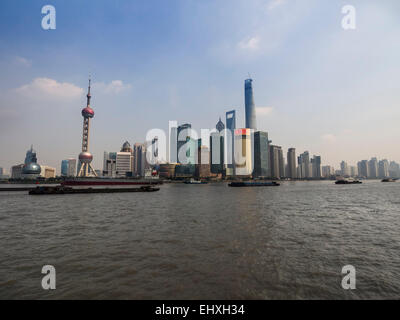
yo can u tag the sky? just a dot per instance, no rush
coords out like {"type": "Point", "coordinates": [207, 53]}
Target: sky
{"type": "Point", "coordinates": [317, 87]}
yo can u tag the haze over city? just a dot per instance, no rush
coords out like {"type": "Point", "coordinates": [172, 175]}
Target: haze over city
{"type": "Point", "coordinates": [317, 87]}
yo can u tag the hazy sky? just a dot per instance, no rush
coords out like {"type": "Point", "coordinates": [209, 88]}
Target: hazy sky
{"type": "Point", "coordinates": [318, 87]}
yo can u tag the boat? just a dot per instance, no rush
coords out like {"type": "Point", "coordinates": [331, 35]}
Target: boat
{"type": "Point", "coordinates": [254, 184]}
{"type": "Point", "coordinates": [192, 181]}
{"type": "Point", "coordinates": [69, 190]}
{"type": "Point", "coordinates": [388, 180]}
{"type": "Point", "coordinates": [348, 181]}
{"type": "Point", "coordinates": [108, 182]}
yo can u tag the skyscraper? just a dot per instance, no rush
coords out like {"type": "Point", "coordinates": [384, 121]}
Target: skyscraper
{"type": "Point", "coordinates": [85, 157]}
{"type": "Point", "coordinates": [394, 169]}
{"type": "Point", "coordinates": [304, 171]}
{"type": "Point", "coordinates": [383, 169]}
{"type": "Point", "coordinates": [327, 171]}
{"type": "Point", "coordinates": [363, 169]}
{"type": "Point", "coordinates": [217, 149]}
{"type": "Point", "coordinates": [173, 140]}
{"type": "Point", "coordinates": [182, 137]}
{"type": "Point", "coordinates": [139, 157]}
{"type": "Point", "coordinates": [229, 143]}
{"type": "Point", "coordinates": [276, 157]}
{"type": "Point", "coordinates": [344, 169]}
{"type": "Point", "coordinates": [373, 168]}
{"type": "Point", "coordinates": [68, 167]}
{"type": "Point", "coordinates": [110, 164]}
{"type": "Point", "coordinates": [244, 162]}
{"type": "Point", "coordinates": [291, 161]}
{"type": "Point", "coordinates": [123, 165]}
{"type": "Point", "coordinates": [31, 169]}
{"type": "Point", "coordinates": [316, 167]}
{"type": "Point", "coordinates": [261, 155]}
{"type": "Point", "coordinates": [250, 108]}
{"type": "Point", "coordinates": [231, 120]}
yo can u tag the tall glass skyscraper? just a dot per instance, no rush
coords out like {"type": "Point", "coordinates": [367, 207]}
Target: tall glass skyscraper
{"type": "Point", "coordinates": [229, 142]}
{"type": "Point", "coordinates": [261, 155]}
{"type": "Point", "coordinates": [249, 105]}
{"type": "Point", "coordinates": [183, 137]}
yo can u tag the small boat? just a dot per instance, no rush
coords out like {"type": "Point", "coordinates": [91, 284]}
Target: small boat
{"type": "Point", "coordinates": [388, 180]}
{"type": "Point", "coordinates": [253, 184]}
{"type": "Point", "coordinates": [348, 181]}
{"type": "Point", "coordinates": [192, 181]}
{"type": "Point", "coordinates": [69, 190]}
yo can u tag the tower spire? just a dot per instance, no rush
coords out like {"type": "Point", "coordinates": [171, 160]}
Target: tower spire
{"type": "Point", "coordinates": [88, 95]}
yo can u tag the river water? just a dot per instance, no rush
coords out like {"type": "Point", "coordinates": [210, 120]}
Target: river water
{"type": "Point", "coordinates": [204, 242]}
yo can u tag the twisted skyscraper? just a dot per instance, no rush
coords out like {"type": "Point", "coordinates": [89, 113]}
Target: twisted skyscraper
{"type": "Point", "coordinates": [249, 105]}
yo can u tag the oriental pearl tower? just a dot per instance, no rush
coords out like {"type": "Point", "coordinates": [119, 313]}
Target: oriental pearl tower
{"type": "Point", "coordinates": [85, 157]}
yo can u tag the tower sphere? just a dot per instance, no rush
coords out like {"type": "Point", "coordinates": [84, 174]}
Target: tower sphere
{"type": "Point", "coordinates": [87, 112]}
{"type": "Point", "coordinates": [85, 157]}
{"type": "Point", "coordinates": [31, 168]}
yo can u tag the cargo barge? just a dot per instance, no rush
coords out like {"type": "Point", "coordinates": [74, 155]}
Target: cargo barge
{"type": "Point", "coordinates": [348, 181]}
{"type": "Point", "coordinates": [108, 182]}
{"type": "Point", "coordinates": [68, 190]}
{"type": "Point", "coordinates": [254, 184]}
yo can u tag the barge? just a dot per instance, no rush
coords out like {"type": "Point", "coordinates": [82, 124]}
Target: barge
{"type": "Point", "coordinates": [108, 182]}
{"type": "Point", "coordinates": [69, 190]}
{"type": "Point", "coordinates": [348, 181]}
{"type": "Point", "coordinates": [254, 184]}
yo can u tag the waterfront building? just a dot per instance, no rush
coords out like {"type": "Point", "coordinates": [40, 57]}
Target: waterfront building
{"type": "Point", "coordinates": [250, 109]}
{"type": "Point", "coordinates": [394, 170]}
{"type": "Point", "coordinates": [154, 148]}
{"type": "Point", "coordinates": [244, 162]}
{"type": "Point", "coordinates": [47, 172]}
{"type": "Point", "coordinates": [1, 171]}
{"type": "Point", "coordinates": [188, 151]}
{"type": "Point", "coordinates": [363, 169]}
{"type": "Point", "coordinates": [275, 153]}
{"type": "Point", "coordinates": [261, 155]}
{"type": "Point", "coordinates": [383, 169]}
{"type": "Point", "coordinates": [139, 159]}
{"type": "Point", "coordinates": [173, 147]}
{"type": "Point", "coordinates": [373, 168]}
{"type": "Point", "coordinates": [16, 171]}
{"type": "Point", "coordinates": [126, 147]}
{"type": "Point", "coordinates": [85, 157]}
{"type": "Point", "coordinates": [31, 169]}
{"type": "Point", "coordinates": [282, 166]}
{"type": "Point", "coordinates": [316, 167]}
{"type": "Point", "coordinates": [217, 153]}
{"type": "Point", "coordinates": [110, 164]}
{"type": "Point", "coordinates": [68, 167]}
{"type": "Point", "coordinates": [184, 134]}
{"type": "Point", "coordinates": [291, 164]}
{"type": "Point", "coordinates": [229, 159]}
{"type": "Point", "coordinates": [345, 172]}
{"type": "Point", "coordinates": [203, 162]}
{"type": "Point", "coordinates": [353, 171]}
{"type": "Point", "coordinates": [185, 170]}
{"type": "Point", "coordinates": [123, 164]}
{"type": "Point", "coordinates": [305, 169]}
{"type": "Point", "coordinates": [328, 171]}
{"type": "Point", "coordinates": [167, 170]}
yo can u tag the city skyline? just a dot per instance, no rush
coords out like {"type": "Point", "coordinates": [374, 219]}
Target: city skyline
{"type": "Point", "coordinates": [323, 107]}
